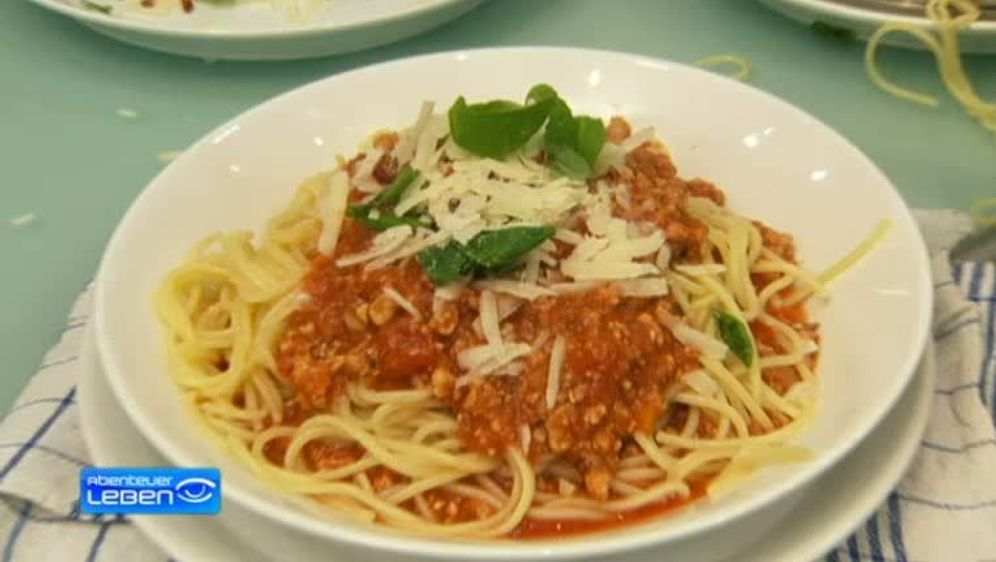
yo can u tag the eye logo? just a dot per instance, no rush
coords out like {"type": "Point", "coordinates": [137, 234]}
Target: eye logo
{"type": "Point", "coordinates": [195, 490]}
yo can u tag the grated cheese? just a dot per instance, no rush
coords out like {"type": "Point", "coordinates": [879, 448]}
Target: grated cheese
{"type": "Point", "coordinates": [404, 151]}
{"type": "Point", "coordinates": [382, 244]}
{"type": "Point", "coordinates": [336, 201]}
{"type": "Point", "coordinates": [489, 319]}
{"type": "Point", "coordinates": [810, 347]}
{"type": "Point", "coordinates": [526, 437]}
{"type": "Point", "coordinates": [663, 259]}
{"type": "Point", "coordinates": [706, 344]}
{"type": "Point", "coordinates": [611, 251]}
{"type": "Point", "coordinates": [557, 356]}
{"type": "Point", "coordinates": [568, 236]}
{"type": "Point", "coordinates": [523, 290]}
{"type": "Point", "coordinates": [404, 303]}
{"type": "Point", "coordinates": [487, 359]}
{"type": "Point", "coordinates": [646, 287]}
{"type": "Point", "coordinates": [568, 288]}
{"type": "Point", "coordinates": [363, 177]}
{"type": "Point", "coordinates": [701, 382]}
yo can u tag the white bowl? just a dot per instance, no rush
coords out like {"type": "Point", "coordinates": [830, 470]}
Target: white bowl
{"type": "Point", "coordinates": [259, 31]}
{"type": "Point", "coordinates": [775, 162]}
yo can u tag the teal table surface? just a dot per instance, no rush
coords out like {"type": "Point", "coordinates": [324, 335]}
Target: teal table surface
{"type": "Point", "coordinates": [69, 157]}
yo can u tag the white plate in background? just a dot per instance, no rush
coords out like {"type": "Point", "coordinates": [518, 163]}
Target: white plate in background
{"type": "Point", "coordinates": [265, 29]}
{"type": "Point", "coordinates": [833, 507]}
{"type": "Point", "coordinates": [863, 17]}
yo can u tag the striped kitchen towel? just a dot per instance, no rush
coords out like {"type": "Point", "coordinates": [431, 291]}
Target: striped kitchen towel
{"type": "Point", "coordinates": [943, 510]}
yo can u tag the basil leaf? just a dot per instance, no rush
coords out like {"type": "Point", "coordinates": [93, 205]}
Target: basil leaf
{"type": "Point", "coordinates": [568, 161]}
{"type": "Point", "coordinates": [572, 143]}
{"type": "Point", "coordinates": [541, 92]}
{"type": "Point", "coordinates": [497, 128]}
{"type": "Point", "coordinates": [591, 138]}
{"type": "Point", "coordinates": [390, 195]}
{"type": "Point", "coordinates": [95, 7]}
{"type": "Point", "coordinates": [445, 264]}
{"type": "Point", "coordinates": [496, 249]}
{"type": "Point", "coordinates": [561, 129]}
{"type": "Point", "coordinates": [737, 335]}
{"type": "Point", "coordinates": [386, 221]}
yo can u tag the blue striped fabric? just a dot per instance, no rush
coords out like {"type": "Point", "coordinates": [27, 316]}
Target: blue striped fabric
{"type": "Point", "coordinates": [884, 536]}
{"type": "Point", "coordinates": [47, 437]}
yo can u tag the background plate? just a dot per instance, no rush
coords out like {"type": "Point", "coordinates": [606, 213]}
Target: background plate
{"type": "Point", "coordinates": [264, 31]}
{"type": "Point", "coordinates": [865, 16]}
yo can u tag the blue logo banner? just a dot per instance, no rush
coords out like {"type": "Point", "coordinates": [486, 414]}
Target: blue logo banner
{"type": "Point", "coordinates": [168, 491]}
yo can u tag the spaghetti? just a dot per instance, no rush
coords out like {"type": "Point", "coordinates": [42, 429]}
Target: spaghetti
{"type": "Point", "coordinates": [950, 17]}
{"type": "Point", "coordinates": [644, 347]}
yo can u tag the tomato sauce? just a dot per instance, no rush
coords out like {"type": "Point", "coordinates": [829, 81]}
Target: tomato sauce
{"type": "Point", "coordinates": [546, 528]}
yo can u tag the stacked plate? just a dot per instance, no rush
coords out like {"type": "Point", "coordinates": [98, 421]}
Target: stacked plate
{"type": "Point", "coordinates": [775, 163]}
{"type": "Point", "coordinates": [863, 17]}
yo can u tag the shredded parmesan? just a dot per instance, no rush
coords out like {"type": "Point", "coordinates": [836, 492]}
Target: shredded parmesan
{"type": "Point", "coordinates": [449, 292]}
{"type": "Point", "coordinates": [404, 151]}
{"type": "Point", "coordinates": [487, 359]}
{"type": "Point", "coordinates": [663, 259]}
{"type": "Point", "coordinates": [404, 303]}
{"type": "Point", "coordinates": [568, 236]}
{"type": "Point", "coordinates": [708, 345]}
{"type": "Point", "coordinates": [489, 319]}
{"type": "Point", "coordinates": [565, 487]}
{"type": "Point", "coordinates": [528, 291]}
{"type": "Point", "coordinates": [382, 244]}
{"type": "Point", "coordinates": [363, 176]}
{"type": "Point", "coordinates": [557, 356]}
{"type": "Point", "coordinates": [336, 201]}
{"type": "Point", "coordinates": [646, 287]}
{"type": "Point", "coordinates": [810, 347]}
{"type": "Point", "coordinates": [701, 382]}
{"type": "Point", "coordinates": [526, 437]}
{"type": "Point", "coordinates": [612, 250]}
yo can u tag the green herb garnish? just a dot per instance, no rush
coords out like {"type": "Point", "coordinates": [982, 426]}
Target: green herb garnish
{"type": "Point", "coordinates": [491, 251]}
{"type": "Point", "coordinates": [737, 335]}
{"type": "Point", "coordinates": [833, 32]}
{"type": "Point", "coordinates": [445, 264]}
{"type": "Point", "coordinates": [572, 143]}
{"type": "Point", "coordinates": [497, 128]}
{"type": "Point", "coordinates": [95, 7]}
{"type": "Point", "coordinates": [498, 249]}
{"type": "Point", "coordinates": [388, 197]}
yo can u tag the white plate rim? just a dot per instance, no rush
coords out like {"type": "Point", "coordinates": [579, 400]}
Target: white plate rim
{"type": "Point", "coordinates": [809, 547]}
{"type": "Point", "coordinates": [872, 17]}
{"type": "Point", "coordinates": [597, 545]}
{"type": "Point", "coordinates": [98, 19]}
